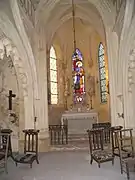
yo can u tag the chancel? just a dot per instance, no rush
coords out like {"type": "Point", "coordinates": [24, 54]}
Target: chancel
{"type": "Point", "coordinates": [79, 117]}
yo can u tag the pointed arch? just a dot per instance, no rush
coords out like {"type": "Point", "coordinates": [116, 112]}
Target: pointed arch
{"type": "Point", "coordinates": [53, 76]}
{"type": "Point", "coordinates": [102, 73]}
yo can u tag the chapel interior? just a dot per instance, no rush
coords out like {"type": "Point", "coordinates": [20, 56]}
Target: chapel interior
{"type": "Point", "coordinates": [67, 74]}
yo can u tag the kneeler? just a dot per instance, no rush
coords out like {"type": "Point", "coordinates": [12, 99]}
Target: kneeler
{"type": "Point", "coordinates": [30, 148]}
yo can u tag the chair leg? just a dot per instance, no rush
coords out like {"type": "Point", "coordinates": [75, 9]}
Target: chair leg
{"type": "Point", "coordinates": [91, 161]}
{"type": "Point", "coordinates": [6, 171]}
{"type": "Point", "coordinates": [37, 160]}
{"type": "Point", "coordinates": [16, 164]}
{"type": "Point", "coordinates": [113, 162]}
{"type": "Point", "coordinates": [127, 171]}
{"type": "Point", "coordinates": [99, 165]}
{"type": "Point", "coordinates": [121, 167]}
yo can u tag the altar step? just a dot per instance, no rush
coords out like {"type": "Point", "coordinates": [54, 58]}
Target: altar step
{"type": "Point", "coordinates": [76, 142]}
{"type": "Point", "coordinates": [77, 137]}
{"type": "Point", "coordinates": [72, 146]}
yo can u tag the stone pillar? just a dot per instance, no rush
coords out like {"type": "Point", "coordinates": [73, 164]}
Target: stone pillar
{"type": "Point", "coordinates": [29, 114]}
{"type": "Point", "coordinates": [120, 111]}
{"type": "Point", "coordinates": [112, 50]}
{"type": "Point", "coordinates": [125, 42]}
{"type": "Point", "coordinates": [42, 103]}
{"type": "Point", "coordinates": [130, 95]}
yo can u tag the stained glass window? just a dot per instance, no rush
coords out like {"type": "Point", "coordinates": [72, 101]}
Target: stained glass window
{"type": "Point", "coordinates": [53, 77]}
{"type": "Point", "coordinates": [78, 76]}
{"type": "Point", "coordinates": [102, 73]}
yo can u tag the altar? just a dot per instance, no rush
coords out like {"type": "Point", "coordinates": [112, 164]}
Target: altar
{"type": "Point", "coordinates": [79, 122]}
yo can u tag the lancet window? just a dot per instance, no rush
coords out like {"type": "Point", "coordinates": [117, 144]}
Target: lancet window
{"type": "Point", "coordinates": [53, 77]}
{"type": "Point", "coordinates": [78, 76]}
{"type": "Point", "coordinates": [102, 73]}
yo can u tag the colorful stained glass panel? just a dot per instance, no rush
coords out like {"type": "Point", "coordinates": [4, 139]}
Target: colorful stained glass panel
{"type": "Point", "coordinates": [101, 49]}
{"type": "Point", "coordinates": [104, 97]}
{"type": "Point", "coordinates": [78, 76]}
{"type": "Point", "coordinates": [102, 73]}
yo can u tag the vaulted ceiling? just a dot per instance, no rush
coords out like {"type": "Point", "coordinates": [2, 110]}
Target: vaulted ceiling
{"type": "Point", "coordinates": [55, 13]}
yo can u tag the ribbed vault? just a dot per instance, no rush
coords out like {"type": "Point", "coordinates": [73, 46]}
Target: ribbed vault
{"type": "Point", "coordinates": [54, 13]}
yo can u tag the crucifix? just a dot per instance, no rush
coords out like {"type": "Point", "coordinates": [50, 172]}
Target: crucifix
{"type": "Point", "coordinates": [10, 99]}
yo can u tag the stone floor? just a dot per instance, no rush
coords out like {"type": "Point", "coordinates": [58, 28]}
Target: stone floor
{"type": "Point", "coordinates": [73, 165]}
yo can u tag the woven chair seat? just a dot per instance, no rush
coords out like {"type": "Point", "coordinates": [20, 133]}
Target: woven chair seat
{"type": "Point", "coordinates": [25, 158]}
{"type": "Point", "coordinates": [102, 155]}
{"type": "Point", "coordinates": [2, 156]}
{"type": "Point", "coordinates": [2, 151]}
{"type": "Point", "coordinates": [97, 148]}
{"type": "Point", "coordinates": [129, 160]}
{"type": "Point", "coordinates": [124, 154]}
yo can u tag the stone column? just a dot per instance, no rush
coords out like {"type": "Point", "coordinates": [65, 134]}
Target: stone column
{"type": "Point", "coordinates": [41, 104]}
{"type": "Point", "coordinates": [125, 41]}
{"type": "Point", "coordinates": [130, 104]}
{"type": "Point", "coordinates": [120, 111]}
{"type": "Point", "coordinates": [112, 50]}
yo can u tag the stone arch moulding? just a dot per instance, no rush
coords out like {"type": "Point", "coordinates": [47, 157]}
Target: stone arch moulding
{"type": "Point", "coordinates": [26, 45]}
{"type": "Point", "coordinates": [7, 46]}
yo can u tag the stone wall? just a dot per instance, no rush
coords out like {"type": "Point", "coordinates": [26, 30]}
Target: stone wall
{"type": "Point", "coordinates": [8, 81]}
{"type": "Point", "coordinates": [55, 114]}
{"type": "Point", "coordinates": [88, 43]}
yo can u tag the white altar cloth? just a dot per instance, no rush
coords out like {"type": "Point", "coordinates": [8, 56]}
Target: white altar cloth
{"type": "Point", "coordinates": [79, 122]}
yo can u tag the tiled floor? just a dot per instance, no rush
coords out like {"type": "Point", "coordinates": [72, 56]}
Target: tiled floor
{"type": "Point", "coordinates": [64, 166]}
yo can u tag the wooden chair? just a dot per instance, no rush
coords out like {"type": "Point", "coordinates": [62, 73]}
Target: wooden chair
{"type": "Point", "coordinates": [125, 143]}
{"type": "Point", "coordinates": [58, 134]}
{"type": "Point", "coordinates": [106, 126]}
{"type": "Point", "coordinates": [96, 144]}
{"type": "Point", "coordinates": [114, 130]}
{"type": "Point", "coordinates": [4, 150]}
{"type": "Point", "coordinates": [4, 137]}
{"type": "Point", "coordinates": [30, 148]}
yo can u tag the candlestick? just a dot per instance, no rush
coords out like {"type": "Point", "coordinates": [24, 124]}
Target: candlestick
{"type": "Point", "coordinates": [35, 120]}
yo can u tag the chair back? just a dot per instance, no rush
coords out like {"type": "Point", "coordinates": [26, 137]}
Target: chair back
{"type": "Point", "coordinates": [95, 139]}
{"type": "Point", "coordinates": [106, 126]}
{"type": "Point", "coordinates": [31, 141]}
{"type": "Point", "coordinates": [114, 130]}
{"type": "Point", "coordinates": [125, 143]}
{"type": "Point", "coordinates": [4, 149]}
{"type": "Point", "coordinates": [4, 139]}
